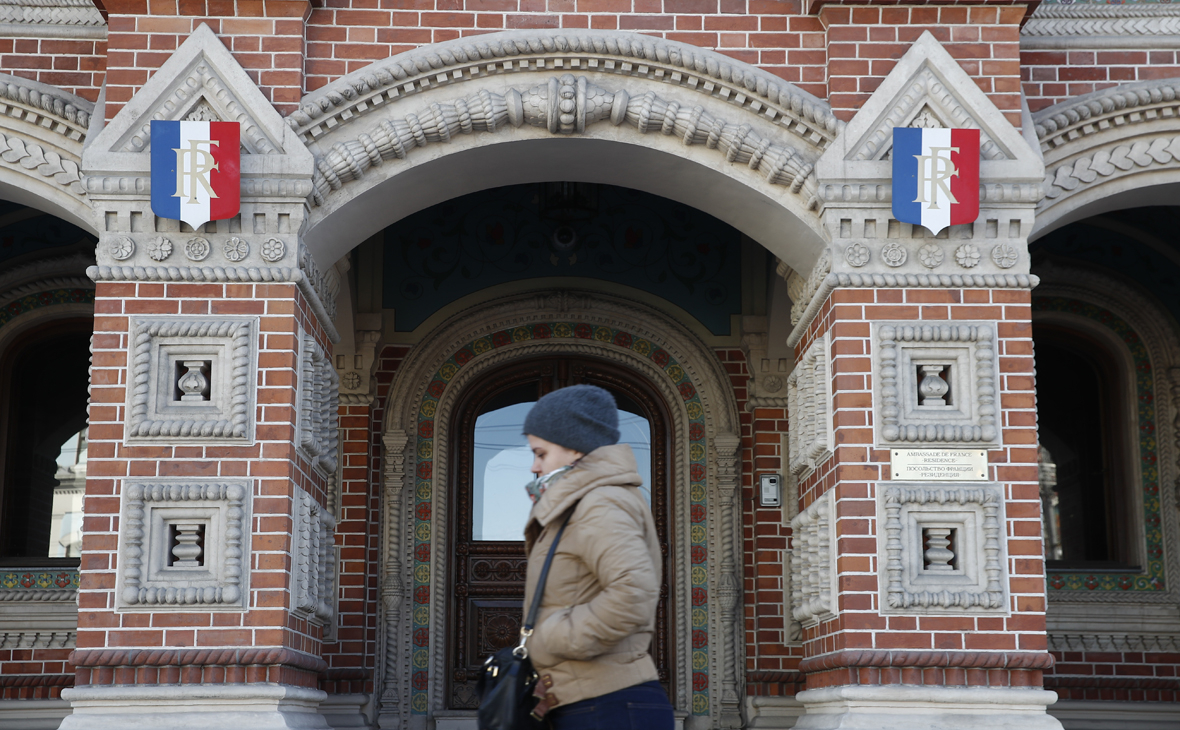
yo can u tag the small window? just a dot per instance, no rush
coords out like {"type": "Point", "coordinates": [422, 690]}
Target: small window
{"type": "Point", "coordinates": [1085, 429]}
{"type": "Point", "coordinates": [43, 444]}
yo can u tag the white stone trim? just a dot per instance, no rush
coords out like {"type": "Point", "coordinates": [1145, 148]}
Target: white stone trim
{"type": "Point", "coordinates": [809, 407]}
{"type": "Point", "coordinates": [813, 562]}
{"type": "Point", "coordinates": [900, 707]}
{"type": "Point", "coordinates": [145, 581]}
{"type": "Point", "coordinates": [318, 407]}
{"type": "Point", "coordinates": [194, 707]}
{"type": "Point", "coordinates": [229, 344]}
{"type": "Point", "coordinates": [969, 349]}
{"type": "Point", "coordinates": [313, 571]}
{"type": "Point", "coordinates": [979, 582]}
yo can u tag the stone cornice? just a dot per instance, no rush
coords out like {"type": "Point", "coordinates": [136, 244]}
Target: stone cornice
{"type": "Point", "coordinates": [564, 51]}
{"type": "Point", "coordinates": [70, 114]}
{"type": "Point", "coordinates": [1101, 26]}
{"type": "Point", "coordinates": [1117, 107]}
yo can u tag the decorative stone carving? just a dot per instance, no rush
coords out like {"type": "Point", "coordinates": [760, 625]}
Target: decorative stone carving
{"type": "Point", "coordinates": [38, 639]}
{"type": "Point", "coordinates": [767, 374]}
{"type": "Point", "coordinates": [121, 248]}
{"type": "Point", "coordinates": [894, 254]}
{"type": "Point", "coordinates": [857, 255]}
{"type": "Point", "coordinates": [221, 351]}
{"type": "Point", "coordinates": [967, 255]}
{"type": "Point", "coordinates": [564, 105]}
{"type": "Point", "coordinates": [931, 255]}
{"type": "Point", "coordinates": [961, 354]}
{"type": "Point", "coordinates": [809, 406]}
{"type": "Point", "coordinates": [942, 548]}
{"type": "Point", "coordinates": [183, 544]}
{"type": "Point", "coordinates": [319, 405]}
{"type": "Point", "coordinates": [197, 249]}
{"type": "Point", "coordinates": [68, 15]}
{"type": "Point", "coordinates": [809, 296]}
{"type": "Point", "coordinates": [313, 571]}
{"type": "Point", "coordinates": [1082, 22]}
{"type": "Point", "coordinates": [273, 250]}
{"type": "Point", "coordinates": [603, 51]}
{"type": "Point", "coordinates": [1005, 255]}
{"type": "Point", "coordinates": [813, 562]}
{"type": "Point", "coordinates": [236, 249]}
{"type": "Point", "coordinates": [160, 248]}
{"type": "Point", "coordinates": [729, 591]}
{"type": "Point", "coordinates": [47, 163]}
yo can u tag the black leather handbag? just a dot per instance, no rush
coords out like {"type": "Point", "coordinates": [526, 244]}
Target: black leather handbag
{"type": "Point", "coordinates": [511, 695]}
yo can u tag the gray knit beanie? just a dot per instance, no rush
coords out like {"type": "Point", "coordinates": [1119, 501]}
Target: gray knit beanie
{"type": "Point", "coordinates": [580, 417]}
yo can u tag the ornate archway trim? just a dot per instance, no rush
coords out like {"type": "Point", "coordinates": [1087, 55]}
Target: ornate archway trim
{"type": "Point", "coordinates": [565, 51]}
{"type": "Point", "coordinates": [708, 630]}
{"type": "Point", "coordinates": [565, 105]}
{"type": "Point", "coordinates": [1154, 350]}
{"type": "Point", "coordinates": [1104, 139]}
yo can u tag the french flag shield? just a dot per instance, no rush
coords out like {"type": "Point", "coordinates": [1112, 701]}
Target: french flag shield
{"type": "Point", "coordinates": [195, 170]}
{"type": "Point", "coordinates": [935, 176]}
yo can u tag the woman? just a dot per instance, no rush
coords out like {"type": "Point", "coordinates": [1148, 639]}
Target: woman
{"type": "Point", "coordinates": [598, 608]}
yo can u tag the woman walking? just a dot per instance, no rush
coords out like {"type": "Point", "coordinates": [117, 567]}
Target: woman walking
{"type": "Point", "coordinates": [594, 630]}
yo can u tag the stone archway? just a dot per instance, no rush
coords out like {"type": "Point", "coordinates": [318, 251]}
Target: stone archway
{"type": "Point", "coordinates": [1111, 149]}
{"type": "Point", "coordinates": [530, 106]}
{"type": "Point", "coordinates": [42, 131]}
{"type": "Point", "coordinates": [692, 381]}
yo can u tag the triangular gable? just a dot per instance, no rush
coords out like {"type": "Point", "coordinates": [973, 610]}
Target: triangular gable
{"type": "Point", "coordinates": [927, 88]}
{"type": "Point", "coordinates": [201, 80]}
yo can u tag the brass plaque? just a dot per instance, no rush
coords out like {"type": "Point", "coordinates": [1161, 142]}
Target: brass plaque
{"type": "Point", "coordinates": [939, 465]}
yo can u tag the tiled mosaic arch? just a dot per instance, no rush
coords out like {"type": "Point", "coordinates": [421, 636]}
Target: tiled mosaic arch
{"type": "Point", "coordinates": [572, 330]}
{"type": "Point", "coordinates": [1152, 579]}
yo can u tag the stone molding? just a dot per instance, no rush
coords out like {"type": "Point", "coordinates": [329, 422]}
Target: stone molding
{"type": "Point", "coordinates": [62, 272]}
{"type": "Point", "coordinates": [228, 344]}
{"type": "Point", "coordinates": [803, 291]}
{"type": "Point", "coordinates": [545, 106]}
{"type": "Point", "coordinates": [66, 114]}
{"type": "Point", "coordinates": [1163, 346]}
{"type": "Point", "coordinates": [313, 570]}
{"type": "Point", "coordinates": [37, 639]}
{"type": "Point", "coordinates": [809, 407]}
{"type": "Point", "coordinates": [32, 595]}
{"type": "Point", "coordinates": [1119, 139]}
{"type": "Point", "coordinates": [1093, 26]}
{"type": "Point", "coordinates": [902, 707]}
{"type": "Point", "coordinates": [909, 658]}
{"type": "Point", "coordinates": [1162, 643]}
{"type": "Point", "coordinates": [978, 581]}
{"type": "Point", "coordinates": [197, 657]}
{"type": "Point", "coordinates": [318, 407]}
{"type": "Point", "coordinates": [968, 351]}
{"type": "Point", "coordinates": [406, 396]}
{"type": "Point", "coordinates": [568, 50]}
{"type": "Point", "coordinates": [77, 14]}
{"type": "Point", "coordinates": [813, 562]}
{"type": "Point", "coordinates": [147, 578]}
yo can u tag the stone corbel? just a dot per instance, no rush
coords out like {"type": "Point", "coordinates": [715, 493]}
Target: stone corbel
{"type": "Point", "coordinates": [356, 367]}
{"type": "Point", "coordinates": [768, 376]}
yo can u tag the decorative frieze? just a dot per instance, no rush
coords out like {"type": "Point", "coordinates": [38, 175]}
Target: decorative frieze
{"type": "Point", "coordinates": [809, 407]}
{"type": "Point", "coordinates": [313, 572]}
{"type": "Point", "coordinates": [183, 544]}
{"type": "Point", "coordinates": [191, 380]}
{"type": "Point", "coordinates": [935, 384]}
{"type": "Point", "coordinates": [942, 548]}
{"type": "Point", "coordinates": [319, 406]}
{"type": "Point", "coordinates": [813, 562]}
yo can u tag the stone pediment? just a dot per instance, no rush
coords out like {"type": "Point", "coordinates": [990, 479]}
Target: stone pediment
{"type": "Point", "coordinates": [201, 81]}
{"type": "Point", "coordinates": [927, 88]}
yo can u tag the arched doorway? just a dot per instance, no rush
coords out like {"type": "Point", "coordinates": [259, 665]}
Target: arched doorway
{"type": "Point", "coordinates": [490, 465]}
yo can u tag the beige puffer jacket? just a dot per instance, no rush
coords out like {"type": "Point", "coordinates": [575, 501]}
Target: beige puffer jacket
{"type": "Point", "coordinates": [594, 629]}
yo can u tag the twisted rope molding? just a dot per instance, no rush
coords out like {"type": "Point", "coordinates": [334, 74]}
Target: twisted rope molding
{"type": "Point", "coordinates": [1102, 20]}
{"type": "Point", "coordinates": [246, 657]}
{"type": "Point", "coordinates": [964, 659]}
{"type": "Point", "coordinates": [776, 677]}
{"type": "Point", "coordinates": [36, 680]}
{"type": "Point", "coordinates": [599, 51]}
{"type": "Point", "coordinates": [65, 594]}
{"type": "Point", "coordinates": [564, 106]}
{"type": "Point", "coordinates": [51, 12]}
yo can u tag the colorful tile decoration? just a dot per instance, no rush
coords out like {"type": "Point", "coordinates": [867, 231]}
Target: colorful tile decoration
{"type": "Point", "coordinates": [1152, 578]}
{"type": "Point", "coordinates": [44, 299]}
{"type": "Point", "coordinates": [52, 580]}
{"type": "Point", "coordinates": [423, 496]}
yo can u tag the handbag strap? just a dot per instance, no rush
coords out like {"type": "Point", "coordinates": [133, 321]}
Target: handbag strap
{"type": "Point", "coordinates": [526, 629]}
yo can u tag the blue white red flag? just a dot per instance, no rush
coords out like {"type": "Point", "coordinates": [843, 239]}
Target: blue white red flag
{"type": "Point", "coordinates": [195, 170]}
{"type": "Point", "coordinates": [935, 176]}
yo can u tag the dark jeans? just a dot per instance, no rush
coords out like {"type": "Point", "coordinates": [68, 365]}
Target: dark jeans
{"type": "Point", "coordinates": [642, 707]}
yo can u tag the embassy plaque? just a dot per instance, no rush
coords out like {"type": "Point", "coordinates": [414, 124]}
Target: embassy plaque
{"type": "Point", "coordinates": [939, 465]}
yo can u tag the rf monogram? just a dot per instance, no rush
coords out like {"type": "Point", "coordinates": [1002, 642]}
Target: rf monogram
{"type": "Point", "coordinates": [935, 171]}
{"type": "Point", "coordinates": [193, 165]}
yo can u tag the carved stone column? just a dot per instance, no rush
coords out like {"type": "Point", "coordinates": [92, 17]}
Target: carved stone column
{"type": "Point", "coordinates": [392, 589]}
{"type": "Point", "coordinates": [732, 659]}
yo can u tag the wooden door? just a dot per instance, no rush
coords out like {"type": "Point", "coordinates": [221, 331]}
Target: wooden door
{"type": "Point", "coordinates": [490, 462]}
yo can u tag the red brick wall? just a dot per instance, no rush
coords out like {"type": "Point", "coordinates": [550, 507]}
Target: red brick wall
{"type": "Point", "coordinates": [34, 674]}
{"type": "Point", "coordinates": [857, 465]}
{"type": "Point", "coordinates": [271, 463]}
{"type": "Point", "coordinates": [1128, 676]}
{"type": "Point", "coordinates": [76, 66]}
{"type": "Point", "coordinates": [1055, 76]}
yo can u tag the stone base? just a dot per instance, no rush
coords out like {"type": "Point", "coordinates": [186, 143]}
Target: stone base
{"type": "Point", "coordinates": [32, 714]}
{"type": "Point", "coordinates": [779, 713]}
{"type": "Point", "coordinates": [348, 710]}
{"type": "Point", "coordinates": [195, 707]}
{"type": "Point", "coordinates": [1107, 715]}
{"type": "Point", "coordinates": [926, 708]}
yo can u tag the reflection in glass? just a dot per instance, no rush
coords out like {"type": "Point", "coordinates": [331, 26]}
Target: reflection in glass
{"type": "Point", "coordinates": [501, 463]}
